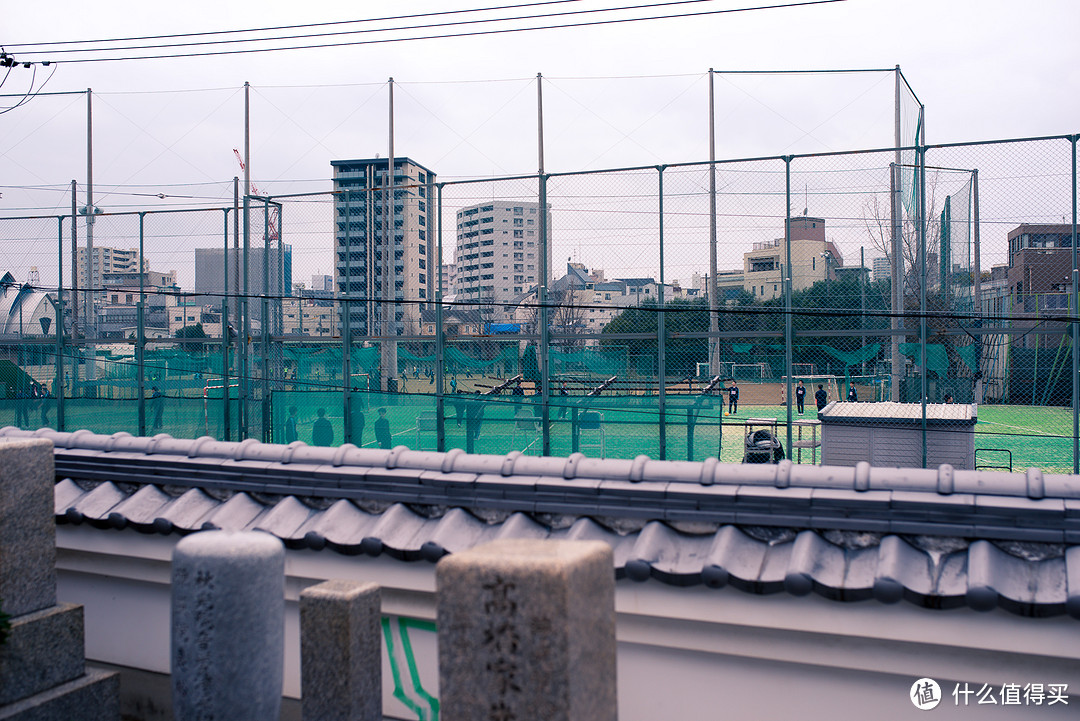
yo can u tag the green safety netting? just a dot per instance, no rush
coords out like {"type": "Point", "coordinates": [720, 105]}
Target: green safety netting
{"type": "Point", "coordinates": [937, 359]}
{"type": "Point", "coordinates": [741, 347]}
{"type": "Point", "coordinates": [969, 354]}
{"type": "Point", "coordinates": [599, 361]}
{"type": "Point", "coordinates": [861, 355]}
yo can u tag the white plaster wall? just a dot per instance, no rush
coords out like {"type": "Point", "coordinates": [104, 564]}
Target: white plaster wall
{"type": "Point", "coordinates": [683, 652]}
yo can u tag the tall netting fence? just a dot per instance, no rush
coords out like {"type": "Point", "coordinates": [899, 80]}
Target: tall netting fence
{"type": "Point", "coordinates": [906, 307]}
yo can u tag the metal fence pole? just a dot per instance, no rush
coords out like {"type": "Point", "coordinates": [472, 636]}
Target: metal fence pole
{"type": "Point", "coordinates": [661, 331]}
{"type": "Point", "coordinates": [140, 332]}
{"type": "Point", "coordinates": [785, 278]}
{"type": "Point", "coordinates": [440, 353]}
{"type": "Point", "coordinates": [1075, 325]}
{"type": "Point", "coordinates": [225, 426]}
{"type": "Point", "coordinates": [245, 312]}
{"type": "Point", "coordinates": [545, 332]}
{"type": "Point", "coordinates": [58, 384]}
{"type": "Point", "coordinates": [264, 326]}
{"type": "Point", "coordinates": [920, 214]}
{"type": "Point", "coordinates": [346, 320]}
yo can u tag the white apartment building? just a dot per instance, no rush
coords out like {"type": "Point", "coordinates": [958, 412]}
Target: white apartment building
{"type": "Point", "coordinates": [108, 260]}
{"type": "Point", "coordinates": [882, 269]}
{"type": "Point", "coordinates": [813, 258]}
{"type": "Point", "coordinates": [369, 265]}
{"type": "Point", "coordinates": [497, 257]}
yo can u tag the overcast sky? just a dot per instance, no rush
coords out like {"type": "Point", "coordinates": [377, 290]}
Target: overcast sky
{"type": "Point", "coordinates": [614, 95]}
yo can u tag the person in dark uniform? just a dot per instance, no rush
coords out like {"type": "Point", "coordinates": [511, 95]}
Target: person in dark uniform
{"type": "Point", "coordinates": [800, 396]}
{"type": "Point", "coordinates": [322, 433]}
{"type": "Point", "coordinates": [290, 426]}
{"type": "Point", "coordinates": [733, 398]}
{"type": "Point", "coordinates": [382, 430]}
{"type": "Point", "coordinates": [852, 394]}
{"type": "Point", "coordinates": [821, 397]}
{"type": "Point", "coordinates": [157, 402]}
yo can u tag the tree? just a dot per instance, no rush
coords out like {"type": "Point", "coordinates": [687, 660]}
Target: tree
{"type": "Point", "coordinates": [877, 218]}
{"type": "Point", "coordinates": [191, 331]}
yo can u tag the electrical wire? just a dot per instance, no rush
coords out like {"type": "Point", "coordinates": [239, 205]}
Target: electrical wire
{"type": "Point", "coordinates": [301, 26]}
{"type": "Point", "coordinates": [475, 33]}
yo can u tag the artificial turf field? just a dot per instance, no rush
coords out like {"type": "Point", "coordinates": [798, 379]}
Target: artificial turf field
{"type": "Point", "coordinates": [1036, 436]}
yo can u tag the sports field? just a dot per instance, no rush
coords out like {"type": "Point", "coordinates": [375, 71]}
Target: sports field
{"type": "Point", "coordinates": [624, 427]}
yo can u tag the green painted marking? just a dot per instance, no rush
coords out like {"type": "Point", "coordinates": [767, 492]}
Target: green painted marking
{"type": "Point", "coordinates": [399, 692]}
{"type": "Point", "coordinates": [406, 645]}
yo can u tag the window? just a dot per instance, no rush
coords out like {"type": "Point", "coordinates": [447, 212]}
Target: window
{"type": "Point", "coordinates": [518, 234]}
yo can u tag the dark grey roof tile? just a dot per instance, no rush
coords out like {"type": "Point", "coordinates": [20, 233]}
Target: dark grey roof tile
{"type": "Point", "coordinates": [237, 513]}
{"type": "Point", "coordinates": [284, 519]}
{"type": "Point", "coordinates": [67, 493]}
{"type": "Point", "coordinates": [342, 525]}
{"type": "Point", "coordinates": [96, 505]}
{"type": "Point", "coordinates": [520, 525]}
{"type": "Point", "coordinates": [187, 512]}
{"type": "Point", "coordinates": [142, 507]}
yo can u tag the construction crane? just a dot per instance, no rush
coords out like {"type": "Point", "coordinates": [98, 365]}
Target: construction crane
{"type": "Point", "coordinates": [274, 209]}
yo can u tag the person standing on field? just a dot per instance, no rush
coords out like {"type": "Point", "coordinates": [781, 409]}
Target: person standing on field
{"type": "Point", "coordinates": [800, 396]}
{"type": "Point", "coordinates": [821, 397]}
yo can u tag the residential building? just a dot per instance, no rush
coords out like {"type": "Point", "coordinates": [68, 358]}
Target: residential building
{"type": "Point", "coordinates": [362, 248]}
{"type": "Point", "coordinates": [312, 317]}
{"type": "Point", "coordinates": [1039, 275]}
{"type": "Point", "coordinates": [107, 260]}
{"type": "Point", "coordinates": [497, 257]}
{"type": "Point", "coordinates": [457, 322]}
{"type": "Point", "coordinates": [210, 272]}
{"type": "Point", "coordinates": [882, 269]}
{"type": "Point", "coordinates": [322, 282]}
{"type": "Point", "coordinates": [813, 258]}
{"type": "Point", "coordinates": [447, 278]}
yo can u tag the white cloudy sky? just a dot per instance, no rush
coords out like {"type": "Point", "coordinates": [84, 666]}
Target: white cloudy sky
{"type": "Point", "coordinates": [615, 95]}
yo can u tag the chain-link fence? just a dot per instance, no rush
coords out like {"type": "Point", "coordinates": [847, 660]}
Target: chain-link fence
{"type": "Point", "coordinates": [910, 308]}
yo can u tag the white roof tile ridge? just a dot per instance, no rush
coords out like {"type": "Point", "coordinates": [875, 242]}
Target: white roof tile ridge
{"type": "Point", "coordinates": [945, 480]}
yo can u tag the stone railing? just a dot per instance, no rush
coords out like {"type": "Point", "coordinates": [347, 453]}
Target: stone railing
{"type": "Point", "coordinates": [526, 631]}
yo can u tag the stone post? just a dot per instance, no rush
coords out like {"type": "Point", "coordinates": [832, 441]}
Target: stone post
{"type": "Point", "coordinates": [228, 611]}
{"type": "Point", "coordinates": [27, 526]}
{"type": "Point", "coordinates": [43, 674]}
{"type": "Point", "coordinates": [341, 652]}
{"type": "Point", "coordinates": [527, 631]}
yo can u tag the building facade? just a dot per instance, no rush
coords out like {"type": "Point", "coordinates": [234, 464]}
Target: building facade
{"type": "Point", "coordinates": [497, 257]}
{"type": "Point", "coordinates": [106, 261]}
{"type": "Point", "coordinates": [813, 258]}
{"type": "Point", "coordinates": [392, 281]}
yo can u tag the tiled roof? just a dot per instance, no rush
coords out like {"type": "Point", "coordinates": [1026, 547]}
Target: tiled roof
{"type": "Point", "coordinates": [933, 537]}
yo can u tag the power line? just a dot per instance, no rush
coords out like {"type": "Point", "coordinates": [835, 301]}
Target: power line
{"type": "Point", "coordinates": [475, 33]}
{"type": "Point", "coordinates": [286, 27]}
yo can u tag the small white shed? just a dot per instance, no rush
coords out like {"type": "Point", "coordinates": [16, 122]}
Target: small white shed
{"type": "Point", "coordinates": [890, 434]}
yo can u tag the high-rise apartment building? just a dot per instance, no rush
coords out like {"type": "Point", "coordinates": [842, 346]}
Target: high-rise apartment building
{"type": "Point", "coordinates": [210, 272]}
{"type": "Point", "coordinates": [497, 257]}
{"type": "Point", "coordinates": [107, 261]}
{"type": "Point", "coordinates": [366, 270]}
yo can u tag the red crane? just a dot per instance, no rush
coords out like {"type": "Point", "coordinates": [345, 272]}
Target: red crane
{"type": "Point", "coordinates": [274, 209]}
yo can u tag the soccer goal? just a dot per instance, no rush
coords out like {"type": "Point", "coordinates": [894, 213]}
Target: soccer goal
{"type": "Point", "coordinates": [749, 371]}
{"type": "Point", "coordinates": [827, 382]}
